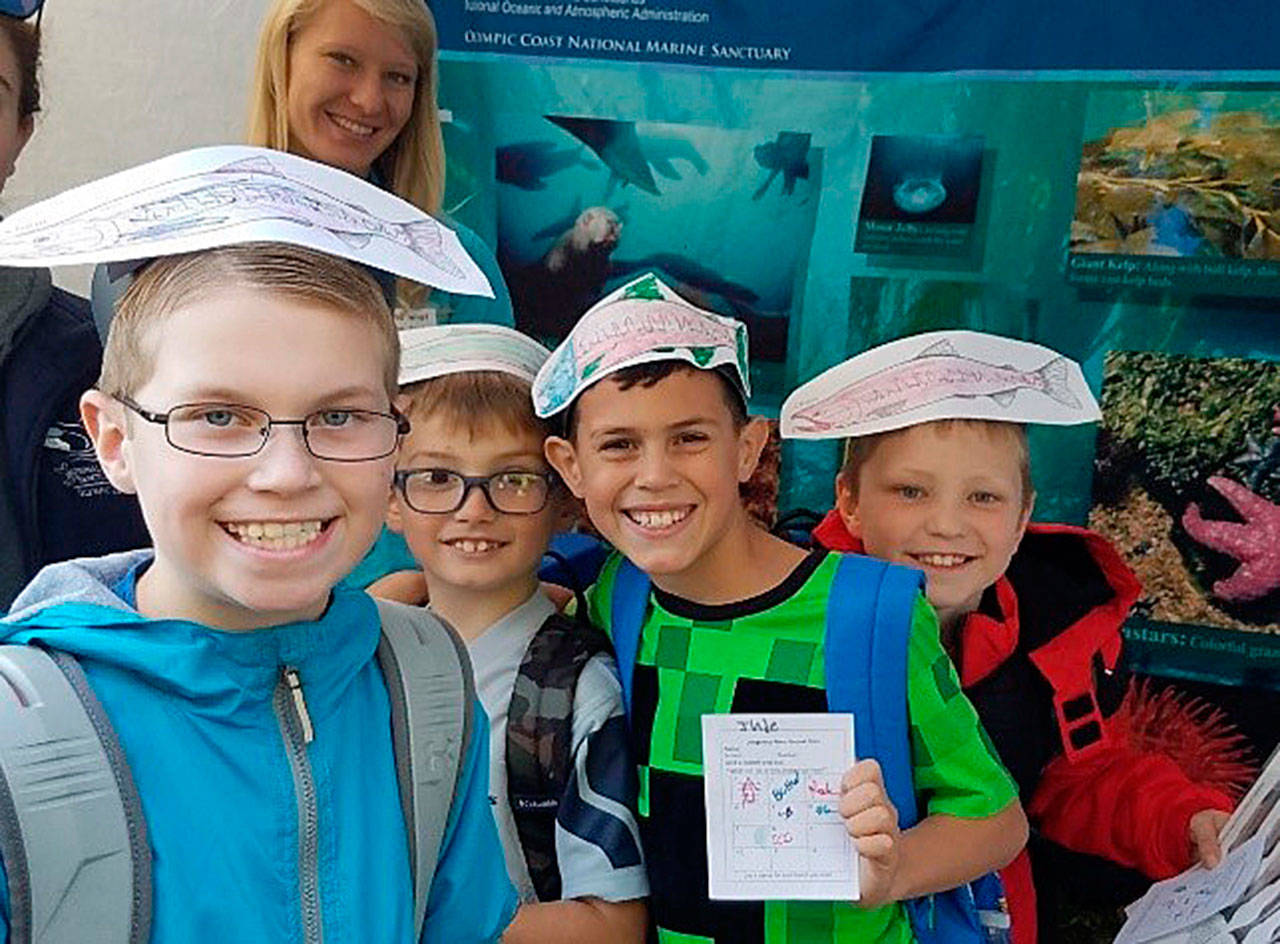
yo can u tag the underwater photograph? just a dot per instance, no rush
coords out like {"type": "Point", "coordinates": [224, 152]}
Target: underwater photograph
{"type": "Point", "coordinates": [1179, 190]}
{"type": "Point", "coordinates": [933, 178]}
{"type": "Point", "coordinates": [725, 217]}
{"type": "Point", "coordinates": [920, 200]}
{"type": "Point", "coordinates": [1187, 485]}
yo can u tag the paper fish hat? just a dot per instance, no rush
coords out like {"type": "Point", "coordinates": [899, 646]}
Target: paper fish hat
{"type": "Point", "coordinates": [641, 322]}
{"type": "Point", "coordinates": [437, 350]}
{"type": "Point", "coordinates": [938, 376]}
{"type": "Point", "coordinates": [221, 196]}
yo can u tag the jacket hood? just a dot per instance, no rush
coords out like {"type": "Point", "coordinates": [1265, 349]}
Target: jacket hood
{"type": "Point", "coordinates": [87, 581]}
{"type": "Point", "coordinates": [1081, 563]}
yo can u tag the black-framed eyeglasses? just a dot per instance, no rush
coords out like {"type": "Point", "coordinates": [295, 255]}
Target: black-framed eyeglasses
{"type": "Point", "coordinates": [443, 491]}
{"type": "Point", "coordinates": [232, 430]}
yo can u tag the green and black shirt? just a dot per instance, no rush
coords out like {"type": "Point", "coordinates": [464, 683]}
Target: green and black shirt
{"type": "Point", "coordinates": [765, 654]}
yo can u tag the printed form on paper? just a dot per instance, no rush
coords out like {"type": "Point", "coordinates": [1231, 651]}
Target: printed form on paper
{"type": "Point", "coordinates": [772, 786]}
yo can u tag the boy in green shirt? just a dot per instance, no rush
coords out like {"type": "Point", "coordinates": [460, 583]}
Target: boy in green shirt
{"type": "Point", "coordinates": [656, 442]}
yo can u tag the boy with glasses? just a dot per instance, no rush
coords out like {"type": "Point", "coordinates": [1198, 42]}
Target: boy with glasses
{"type": "Point", "coordinates": [246, 397]}
{"type": "Point", "coordinates": [477, 504]}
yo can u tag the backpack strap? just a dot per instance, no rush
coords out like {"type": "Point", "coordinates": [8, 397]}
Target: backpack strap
{"type": "Point", "coordinates": [64, 781]}
{"type": "Point", "coordinates": [868, 625]}
{"type": "Point", "coordinates": [540, 739]}
{"type": "Point", "coordinates": [868, 632]}
{"type": "Point", "coordinates": [428, 676]}
{"type": "Point", "coordinates": [626, 619]}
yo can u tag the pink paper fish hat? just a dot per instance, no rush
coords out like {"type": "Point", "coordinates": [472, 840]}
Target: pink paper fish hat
{"type": "Point", "coordinates": [936, 376]}
{"type": "Point", "coordinates": [643, 321]}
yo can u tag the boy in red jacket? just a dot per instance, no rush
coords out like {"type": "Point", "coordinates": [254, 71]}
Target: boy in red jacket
{"type": "Point", "coordinates": [936, 475]}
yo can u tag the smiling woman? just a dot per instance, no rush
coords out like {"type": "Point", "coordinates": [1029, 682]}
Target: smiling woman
{"type": "Point", "coordinates": [352, 83]}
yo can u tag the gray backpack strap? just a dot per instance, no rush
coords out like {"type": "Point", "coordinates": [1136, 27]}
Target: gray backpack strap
{"type": "Point", "coordinates": [432, 690]}
{"type": "Point", "coordinates": [72, 835]}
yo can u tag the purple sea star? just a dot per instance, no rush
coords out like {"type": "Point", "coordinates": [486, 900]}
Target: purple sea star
{"type": "Point", "coordinates": [1255, 543]}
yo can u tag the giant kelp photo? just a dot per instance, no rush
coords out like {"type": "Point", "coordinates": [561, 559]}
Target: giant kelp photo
{"type": "Point", "coordinates": [1187, 484]}
{"type": "Point", "coordinates": [1190, 182]}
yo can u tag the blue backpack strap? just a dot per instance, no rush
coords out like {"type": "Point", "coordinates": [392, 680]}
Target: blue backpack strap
{"type": "Point", "coordinates": [868, 630]}
{"type": "Point", "coordinates": [626, 618]}
{"type": "Point", "coordinates": [868, 625]}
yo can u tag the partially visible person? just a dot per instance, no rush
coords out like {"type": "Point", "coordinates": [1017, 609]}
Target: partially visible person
{"type": "Point", "coordinates": [710, 613]}
{"type": "Point", "coordinates": [55, 501]}
{"type": "Point", "coordinates": [247, 396]}
{"type": "Point", "coordinates": [1030, 613]}
{"type": "Point", "coordinates": [478, 503]}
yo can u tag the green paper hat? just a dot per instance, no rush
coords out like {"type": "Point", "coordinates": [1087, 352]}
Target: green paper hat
{"type": "Point", "coordinates": [641, 322]}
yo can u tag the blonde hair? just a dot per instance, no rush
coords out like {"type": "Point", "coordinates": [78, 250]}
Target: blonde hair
{"type": "Point", "coordinates": [413, 164]}
{"type": "Point", "coordinates": [476, 402]}
{"type": "Point", "coordinates": [858, 450]}
{"type": "Point", "coordinates": [173, 282]}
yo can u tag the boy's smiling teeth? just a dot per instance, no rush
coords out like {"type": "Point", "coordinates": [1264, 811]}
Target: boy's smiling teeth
{"type": "Point", "coordinates": [659, 519]}
{"type": "Point", "coordinates": [942, 560]}
{"type": "Point", "coordinates": [274, 535]}
{"type": "Point", "coordinates": [355, 127]}
{"type": "Point", "coordinates": [473, 545]}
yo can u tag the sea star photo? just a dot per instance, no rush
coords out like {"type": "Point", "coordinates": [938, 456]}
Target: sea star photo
{"type": "Point", "coordinates": [1255, 543]}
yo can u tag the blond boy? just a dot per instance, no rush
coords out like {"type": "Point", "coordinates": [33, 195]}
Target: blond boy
{"type": "Point", "coordinates": [247, 398]}
{"type": "Point", "coordinates": [477, 504]}
{"type": "Point", "coordinates": [1030, 613]}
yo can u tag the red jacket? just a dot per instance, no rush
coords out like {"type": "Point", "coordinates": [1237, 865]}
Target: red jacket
{"type": "Point", "coordinates": [1038, 660]}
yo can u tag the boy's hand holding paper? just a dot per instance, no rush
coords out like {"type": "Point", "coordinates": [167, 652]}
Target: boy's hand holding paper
{"type": "Point", "coordinates": [872, 821]}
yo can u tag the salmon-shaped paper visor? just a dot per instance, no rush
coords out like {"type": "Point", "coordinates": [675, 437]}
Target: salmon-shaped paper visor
{"type": "Point", "coordinates": [231, 194]}
{"type": "Point", "coordinates": [437, 350]}
{"type": "Point", "coordinates": [937, 376]}
{"type": "Point", "coordinates": [641, 322]}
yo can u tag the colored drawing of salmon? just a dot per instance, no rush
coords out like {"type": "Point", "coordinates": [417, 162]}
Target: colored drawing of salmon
{"type": "Point", "coordinates": [611, 340]}
{"type": "Point", "coordinates": [241, 192]}
{"type": "Point", "coordinates": [937, 373]}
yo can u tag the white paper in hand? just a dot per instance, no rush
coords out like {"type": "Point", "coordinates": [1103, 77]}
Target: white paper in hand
{"type": "Point", "coordinates": [772, 794]}
{"type": "Point", "coordinates": [1188, 899]}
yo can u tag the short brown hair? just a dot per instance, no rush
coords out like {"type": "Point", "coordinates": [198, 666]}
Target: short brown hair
{"type": "Point", "coordinates": [24, 40]}
{"type": "Point", "coordinates": [477, 401]}
{"type": "Point", "coordinates": [172, 282]}
{"type": "Point", "coordinates": [858, 450]}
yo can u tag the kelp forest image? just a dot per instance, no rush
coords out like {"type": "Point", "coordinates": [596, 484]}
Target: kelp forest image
{"type": "Point", "coordinates": [1197, 181]}
{"type": "Point", "coordinates": [1187, 485]}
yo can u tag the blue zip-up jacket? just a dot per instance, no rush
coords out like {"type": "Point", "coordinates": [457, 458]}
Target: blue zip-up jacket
{"type": "Point", "coordinates": [199, 718]}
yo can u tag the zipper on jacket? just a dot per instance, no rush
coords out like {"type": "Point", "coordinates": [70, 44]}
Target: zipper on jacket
{"type": "Point", "coordinates": [291, 678]}
{"type": "Point", "coordinates": [295, 728]}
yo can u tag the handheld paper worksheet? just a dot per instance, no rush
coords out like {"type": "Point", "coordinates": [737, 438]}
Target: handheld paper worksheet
{"type": "Point", "coordinates": [772, 793]}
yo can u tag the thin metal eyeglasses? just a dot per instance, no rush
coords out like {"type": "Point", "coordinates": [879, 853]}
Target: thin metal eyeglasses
{"type": "Point", "coordinates": [444, 491]}
{"type": "Point", "coordinates": [232, 430]}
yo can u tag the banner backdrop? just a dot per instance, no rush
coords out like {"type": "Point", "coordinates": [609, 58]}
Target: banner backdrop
{"type": "Point", "coordinates": [815, 170]}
